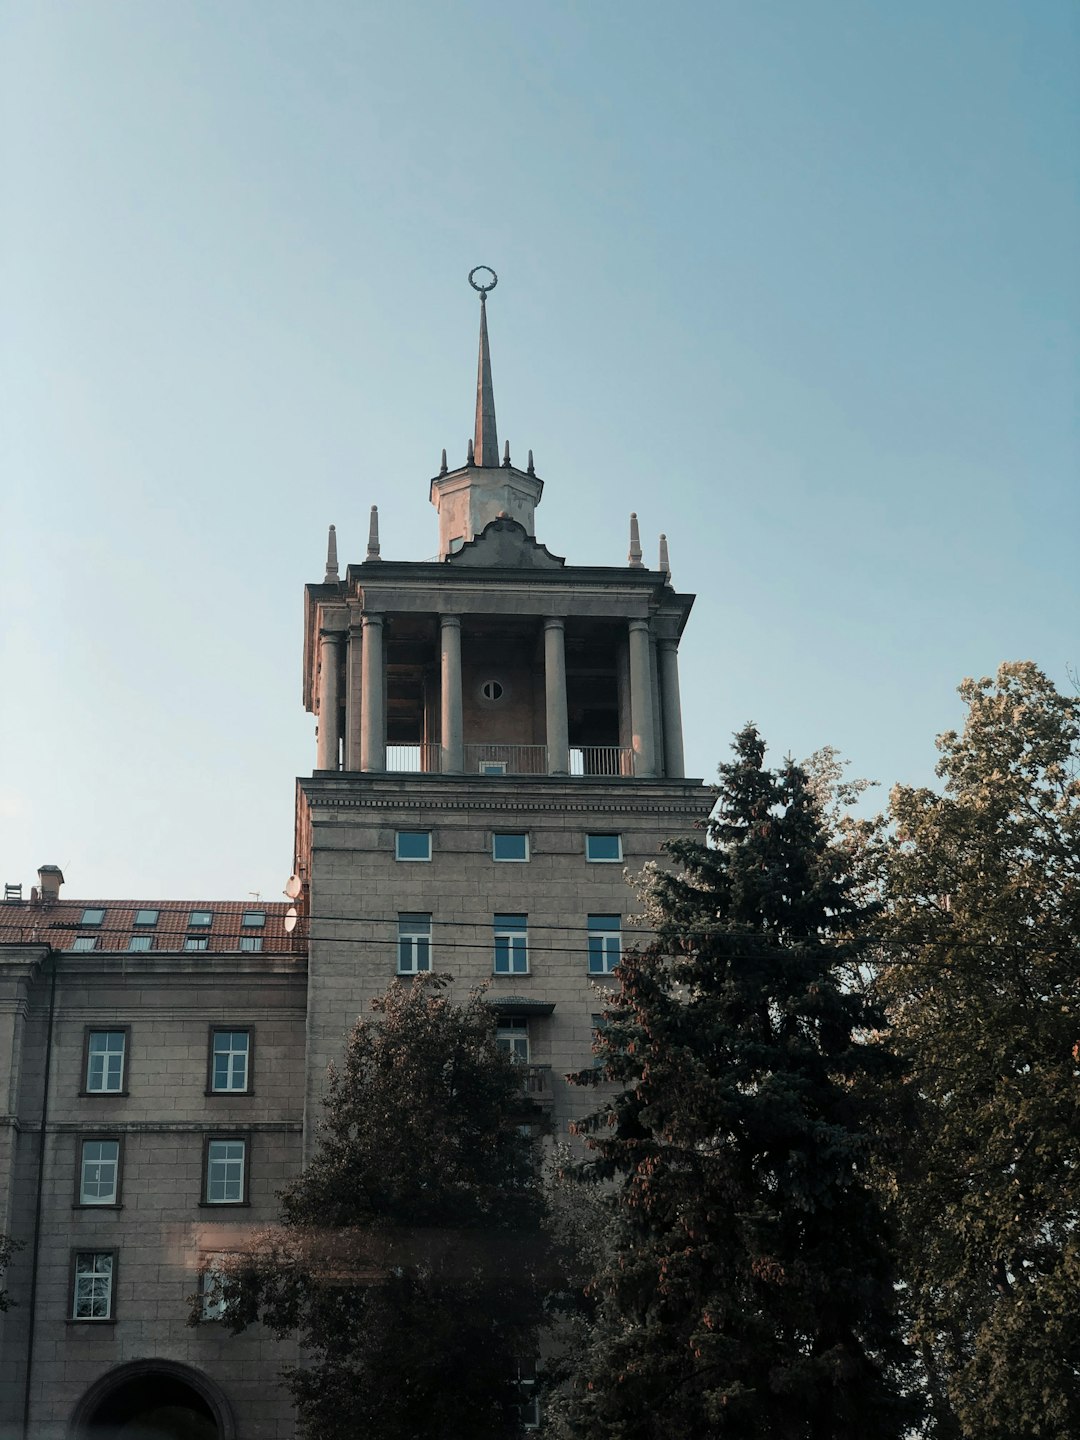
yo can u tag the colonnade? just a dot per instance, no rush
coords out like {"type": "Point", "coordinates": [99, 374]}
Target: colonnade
{"type": "Point", "coordinates": [655, 729]}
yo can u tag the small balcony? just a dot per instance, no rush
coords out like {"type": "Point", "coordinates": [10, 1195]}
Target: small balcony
{"type": "Point", "coordinates": [585, 760]}
{"type": "Point", "coordinates": [537, 1085]}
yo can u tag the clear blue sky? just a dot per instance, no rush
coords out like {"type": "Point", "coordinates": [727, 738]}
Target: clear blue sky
{"type": "Point", "coordinates": [798, 281]}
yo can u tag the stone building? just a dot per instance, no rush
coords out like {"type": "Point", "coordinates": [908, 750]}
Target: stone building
{"type": "Point", "coordinates": [499, 743]}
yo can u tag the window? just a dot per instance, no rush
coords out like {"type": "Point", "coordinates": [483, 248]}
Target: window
{"type": "Point", "coordinates": [105, 1054]}
{"type": "Point", "coordinates": [412, 845]}
{"type": "Point", "coordinates": [599, 1024]}
{"type": "Point", "coordinates": [146, 917]}
{"type": "Point", "coordinates": [226, 1172]}
{"type": "Point", "coordinates": [251, 942]}
{"type": "Point", "coordinates": [605, 943]}
{"type": "Point", "coordinates": [605, 849]}
{"type": "Point", "coordinates": [510, 847]}
{"type": "Point", "coordinates": [512, 1036]}
{"type": "Point", "coordinates": [141, 942]}
{"type": "Point", "coordinates": [197, 942]}
{"type": "Point", "coordinates": [92, 917]}
{"type": "Point", "coordinates": [93, 1274]}
{"type": "Point", "coordinates": [528, 1407]}
{"type": "Point", "coordinates": [84, 942]}
{"type": "Point", "coordinates": [200, 919]}
{"type": "Point", "coordinates": [99, 1173]}
{"type": "Point", "coordinates": [230, 1062]}
{"type": "Point", "coordinates": [492, 767]}
{"type": "Point", "coordinates": [511, 945]}
{"type": "Point", "coordinates": [212, 1290]}
{"type": "Point", "coordinates": [413, 944]}
{"type": "Point", "coordinates": [253, 919]}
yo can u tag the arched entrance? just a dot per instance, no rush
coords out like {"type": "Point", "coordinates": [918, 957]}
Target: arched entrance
{"type": "Point", "coordinates": [153, 1400]}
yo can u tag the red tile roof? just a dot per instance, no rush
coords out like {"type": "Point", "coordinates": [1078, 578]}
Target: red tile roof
{"type": "Point", "coordinates": [60, 923]}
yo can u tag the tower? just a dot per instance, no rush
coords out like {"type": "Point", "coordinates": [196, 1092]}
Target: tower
{"type": "Point", "coordinates": [499, 742]}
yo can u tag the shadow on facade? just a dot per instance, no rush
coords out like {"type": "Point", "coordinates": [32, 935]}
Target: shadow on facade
{"type": "Point", "coordinates": [153, 1400]}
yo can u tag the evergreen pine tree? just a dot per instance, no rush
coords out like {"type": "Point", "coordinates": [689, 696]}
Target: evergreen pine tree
{"type": "Point", "coordinates": [749, 1291]}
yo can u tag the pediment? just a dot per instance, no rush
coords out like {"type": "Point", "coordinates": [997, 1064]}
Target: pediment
{"type": "Point", "coordinates": [506, 544]}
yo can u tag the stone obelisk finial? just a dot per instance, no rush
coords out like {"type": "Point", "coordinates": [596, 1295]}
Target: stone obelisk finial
{"type": "Point", "coordinates": [373, 535]}
{"type": "Point", "coordinates": [665, 564]}
{"type": "Point", "coordinates": [331, 576]}
{"type": "Point", "coordinates": [485, 436]}
{"type": "Point", "coordinates": [634, 558]}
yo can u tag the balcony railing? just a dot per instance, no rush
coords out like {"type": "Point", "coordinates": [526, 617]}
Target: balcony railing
{"type": "Point", "coordinates": [537, 1084]}
{"type": "Point", "coordinates": [505, 759]}
{"type": "Point", "coordinates": [601, 760]}
{"type": "Point", "coordinates": [589, 760]}
{"type": "Point", "coordinates": [413, 759]}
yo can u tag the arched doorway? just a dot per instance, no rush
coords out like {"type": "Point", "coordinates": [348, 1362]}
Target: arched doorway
{"type": "Point", "coordinates": [153, 1400]}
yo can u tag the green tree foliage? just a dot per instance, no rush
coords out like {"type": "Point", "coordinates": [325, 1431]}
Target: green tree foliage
{"type": "Point", "coordinates": [411, 1260]}
{"type": "Point", "coordinates": [749, 1290]}
{"type": "Point", "coordinates": [8, 1247]}
{"type": "Point", "coordinates": [983, 982]}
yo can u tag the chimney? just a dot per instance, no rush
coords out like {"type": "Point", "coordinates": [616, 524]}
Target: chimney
{"type": "Point", "coordinates": [50, 878]}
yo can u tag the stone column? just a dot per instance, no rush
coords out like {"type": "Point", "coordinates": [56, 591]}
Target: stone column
{"type": "Point", "coordinates": [674, 763]}
{"type": "Point", "coordinates": [657, 718]}
{"type": "Point", "coordinates": [641, 699]}
{"type": "Point", "coordinates": [452, 756]}
{"type": "Point", "coordinates": [373, 705]}
{"type": "Point", "coordinates": [558, 728]}
{"type": "Point", "coordinates": [329, 743]}
{"type": "Point", "coordinates": [353, 707]}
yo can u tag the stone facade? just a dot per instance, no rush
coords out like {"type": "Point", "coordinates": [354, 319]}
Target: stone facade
{"type": "Point", "coordinates": [499, 753]}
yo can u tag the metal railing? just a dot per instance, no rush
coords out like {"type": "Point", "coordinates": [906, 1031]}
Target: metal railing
{"type": "Point", "coordinates": [422, 758]}
{"type": "Point", "coordinates": [506, 759]}
{"type": "Point", "coordinates": [537, 1084]}
{"type": "Point", "coordinates": [601, 760]}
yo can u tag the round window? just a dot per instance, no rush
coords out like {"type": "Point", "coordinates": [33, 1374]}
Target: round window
{"type": "Point", "coordinates": [493, 692]}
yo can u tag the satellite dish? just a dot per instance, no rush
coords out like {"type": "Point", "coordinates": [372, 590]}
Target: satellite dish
{"type": "Point", "coordinates": [291, 918]}
{"type": "Point", "coordinates": [293, 886]}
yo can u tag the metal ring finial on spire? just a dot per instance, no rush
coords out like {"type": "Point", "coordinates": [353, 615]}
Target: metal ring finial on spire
{"type": "Point", "coordinates": [483, 289]}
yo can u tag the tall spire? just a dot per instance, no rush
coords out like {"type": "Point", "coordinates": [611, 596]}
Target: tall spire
{"type": "Point", "coordinates": [331, 576]}
{"type": "Point", "coordinates": [485, 436]}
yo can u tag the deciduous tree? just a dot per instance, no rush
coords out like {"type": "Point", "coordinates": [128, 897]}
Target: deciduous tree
{"type": "Point", "coordinates": [410, 1262]}
{"type": "Point", "coordinates": [983, 982]}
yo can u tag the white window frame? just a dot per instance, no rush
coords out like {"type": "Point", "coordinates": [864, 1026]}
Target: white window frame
{"type": "Point", "coordinates": [512, 1037]}
{"type": "Point", "coordinates": [212, 1302]}
{"type": "Point", "coordinates": [230, 1051]}
{"type": "Point", "coordinates": [106, 1053]}
{"type": "Point", "coordinates": [251, 943]}
{"type": "Point", "coordinates": [498, 835]}
{"type": "Point", "coordinates": [93, 1285]}
{"type": "Point", "coordinates": [227, 1170]}
{"type": "Point", "coordinates": [196, 942]}
{"type": "Point", "coordinates": [412, 859]}
{"type": "Point", "coordinates": [94, 1171]}
{"type": "Point", "coordinates": [605, 944]}
{"type": "Point", "coordinates": [604, 859]}
{"type": "Point", "coordinates": [413, 942]}
{"type": "Point", "coordinates": [513, 940]}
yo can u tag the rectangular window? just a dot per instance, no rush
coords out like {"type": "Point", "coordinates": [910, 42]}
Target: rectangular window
{"type": "Point", "coordinates": [528, 1408]}
{"type": "Point", "coordinates": [92, 916]}
{"type": "Point", "coordinates": [146, 917]}
{"type": "Point", "coordinates": [226, 1172]}
{"type": "Point", "coordinates": [84, 942]}
{"type": "Point", "coordinates": [510, 847]}
{"type": "Point", "coordinates": [105, 1054]}
{"type": "Point", "coordinates": [253, 919]}
{"type": "Point", "coordinates": [604, 849]}
{"type": "Point", "coordinates": [492, 767]}
{"type": "Point", "coordinates": [94, 1272]}
{"type": "Point", "coordinates": [99, 1172]}
{"type": "Point", "coordinates": [197, 942]}
{"type": "Point", "coordinates": [599, 1025]}
{"type": "Point", "coordinates": [412, 845]}
{"type": "Point", "coordinates": [605, 943]}
{"type": "Point", "coordinates": [141, 942]}
{"type": "Point", "coordinates": [512, 1037]}
{"type": "Point", "coordinates": [211, 1291]}
{"type": "Point", "coordinates": [413, 944]}
{"type": "Point", "coordinates": [511, 944]}
{"type": "Point", "coordinates": [230, 1062]}
{"type": "Point", "coordinates": [200, 919]}
{"type": "Point", "coordinates": [251, 942]}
